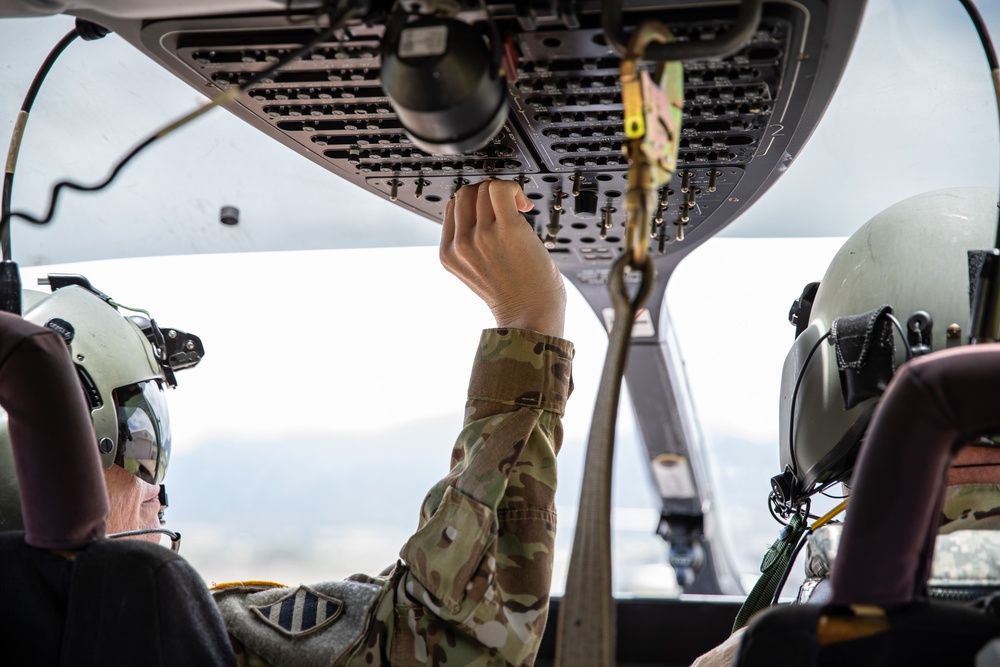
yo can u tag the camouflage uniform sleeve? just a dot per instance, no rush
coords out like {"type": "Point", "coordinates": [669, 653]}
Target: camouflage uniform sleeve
{"type": "Point", "coordinates": [474, 585]}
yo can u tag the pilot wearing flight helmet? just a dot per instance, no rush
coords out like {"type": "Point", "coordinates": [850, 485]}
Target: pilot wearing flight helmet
{"type": "Point", "coordinates": [124, 371]}
{"type": "Point", "coordinates": [919, 257]}
{"type": "Point", "coordinates": [900, 287]}
{"type": "Point", "coordinates": [86, 429]}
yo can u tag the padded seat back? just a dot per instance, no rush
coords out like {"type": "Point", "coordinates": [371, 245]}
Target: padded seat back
{"type": "Point", "coordinates": [921, 633]}
{"type": "Point", "coordinates": [117, 602]}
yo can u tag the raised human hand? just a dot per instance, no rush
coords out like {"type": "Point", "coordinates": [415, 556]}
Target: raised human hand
{"type": "Point", "coordinates": [488, 244]}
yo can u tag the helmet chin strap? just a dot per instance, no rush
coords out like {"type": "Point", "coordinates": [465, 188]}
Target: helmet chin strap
{"type": "Point", "coordinates": [175, 538]}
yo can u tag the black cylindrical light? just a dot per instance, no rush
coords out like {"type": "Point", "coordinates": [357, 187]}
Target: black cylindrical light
{"type": "Point", "coordinates": [444, 85]}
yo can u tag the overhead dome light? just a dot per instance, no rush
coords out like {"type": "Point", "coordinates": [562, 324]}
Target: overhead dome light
{"type": "Point", "coordinates": [444, 85]}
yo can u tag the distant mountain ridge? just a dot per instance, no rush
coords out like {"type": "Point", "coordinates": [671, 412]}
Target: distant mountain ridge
{"type": "Point", "coordinates": [315, 481]}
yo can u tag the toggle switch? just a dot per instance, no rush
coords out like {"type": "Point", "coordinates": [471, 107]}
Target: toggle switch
{"type": "Point", "coordinates": [712, 179]}
{"type": "Point", "coordinates": [421, 184]}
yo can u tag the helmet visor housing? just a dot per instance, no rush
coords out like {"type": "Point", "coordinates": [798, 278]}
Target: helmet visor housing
{"type": "Point", "coordinates": [143, 430]}
{"type": "Point", "coordinates": [109, 351]}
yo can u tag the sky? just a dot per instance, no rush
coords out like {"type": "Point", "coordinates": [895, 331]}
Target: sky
{"type": "Point", "coordinates": [304, 343]}
{"type": "Point", "coordinates": [352, 328]}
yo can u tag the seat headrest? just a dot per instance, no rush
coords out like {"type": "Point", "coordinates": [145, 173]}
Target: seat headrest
{"type": "Point", "coordinates": [934, 406]}
{"type": "Point", "coordinates": [64, 500]}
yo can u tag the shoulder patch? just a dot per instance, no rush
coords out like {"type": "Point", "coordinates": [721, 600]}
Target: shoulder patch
{"type": "Point", "coordinates": [304, 626]}
{"type": "Point", "coordinates": [300, 612]}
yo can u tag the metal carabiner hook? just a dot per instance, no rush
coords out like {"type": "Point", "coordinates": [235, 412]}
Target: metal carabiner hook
{"type": "Point", "coordinates": [652, 128]}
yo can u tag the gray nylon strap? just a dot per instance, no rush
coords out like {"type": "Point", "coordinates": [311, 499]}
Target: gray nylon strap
{"type": "Point", "coordinates": [586, 631]}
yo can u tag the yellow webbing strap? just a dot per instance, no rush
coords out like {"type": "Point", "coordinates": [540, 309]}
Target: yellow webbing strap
{"type": "Point", "coordinates": [250, 583]}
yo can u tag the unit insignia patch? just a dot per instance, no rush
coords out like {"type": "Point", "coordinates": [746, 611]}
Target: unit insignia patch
{"type": "Point", "coordinates": [300, 612]}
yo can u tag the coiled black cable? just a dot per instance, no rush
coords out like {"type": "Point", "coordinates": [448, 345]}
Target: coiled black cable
{"type": "Point", "coordinates": [337, 20]}
{"type": "Point", "coordinates": [15, 139]}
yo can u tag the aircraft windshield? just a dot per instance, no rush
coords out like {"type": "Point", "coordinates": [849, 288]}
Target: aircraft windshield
{"type": "Point", "coordinates": [328, 402]}
{"type": "Point", "coordinates": [334, 380]}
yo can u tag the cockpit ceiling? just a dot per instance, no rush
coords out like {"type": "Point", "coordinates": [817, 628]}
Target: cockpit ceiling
{"type": "Point", "coordinates": [745, 116]}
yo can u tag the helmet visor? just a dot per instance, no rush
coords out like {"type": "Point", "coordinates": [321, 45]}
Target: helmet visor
{"type": "Point", "coordinates": [143, 430]}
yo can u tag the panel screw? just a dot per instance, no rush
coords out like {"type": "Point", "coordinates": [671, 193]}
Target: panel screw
{"type": "Point", "coordinates": [229, 215]}
{"type": "Point", "coordinates": [105, 445]}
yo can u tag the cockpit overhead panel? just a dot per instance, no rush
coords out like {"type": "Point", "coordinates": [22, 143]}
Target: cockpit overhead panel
{"type": "Point", "coordinates": [746, 116]}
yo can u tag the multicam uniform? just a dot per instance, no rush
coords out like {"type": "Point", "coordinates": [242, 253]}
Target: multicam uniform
{"type": "Point", "coordinates": [964, 553]}
{"type": "Point", "coordinates": [471, 587]}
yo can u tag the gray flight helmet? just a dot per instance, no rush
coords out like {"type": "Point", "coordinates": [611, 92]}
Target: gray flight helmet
{"type": "Point", "coordinates": [913, 256]}
{"type": "Point", "coordinates": [124, 365]}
